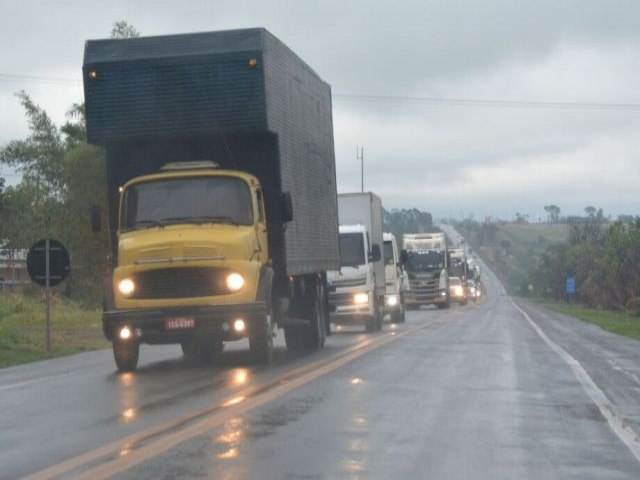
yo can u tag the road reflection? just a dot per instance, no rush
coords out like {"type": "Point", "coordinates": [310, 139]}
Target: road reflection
{"type": "Point", "coordinates": [239, 377]}
{"type": "Point", "coordinates": [228, 442]}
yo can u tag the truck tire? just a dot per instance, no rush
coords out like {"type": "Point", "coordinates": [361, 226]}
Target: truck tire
{"type": "Point", "coordinates": [445, 305]}
{"type": "Point", "coordinates": [261, 345]}
{"type": "Point", "coordinates": [380, 317]}
{"type": "Point", "coordinates": [399, 316]}
{"type": "Point", "coordinates": [189, 348]}
{"type": "Point", "coordinates": [126, 354]}
{"type": "Point", "coordinates": [316, 333]}
{"type": "Point", "coordinates": [261, 336]}
{"type": "Point", "coordinates": [294, 338]}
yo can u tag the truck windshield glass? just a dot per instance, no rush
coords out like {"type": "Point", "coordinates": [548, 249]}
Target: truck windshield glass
{"type": "Point", "coordinates": [429, 260]}
{"type": "Point", "coordinates": [388, 253]}
{"type": "Point", "coordinates": [351, 249]}
{"type": "Point", "coordinates": [187, 200]}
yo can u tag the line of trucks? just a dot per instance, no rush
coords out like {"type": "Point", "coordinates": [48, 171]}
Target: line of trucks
{"type": "Point", "coordinates": [223, 216]}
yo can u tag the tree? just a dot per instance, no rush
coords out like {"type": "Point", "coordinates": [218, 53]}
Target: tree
{"type": "Point", "coordinates": [123, 29]}
{"type": "Point", "coordinates": [39, 156]}
{"type": "Point", "coordinates": [590, 211]}
{"type": "Point", "coordinates": [553, 212]}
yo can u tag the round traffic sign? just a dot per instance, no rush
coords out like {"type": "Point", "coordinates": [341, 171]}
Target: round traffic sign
{"type": "Point", "coordinates": [59, 263]}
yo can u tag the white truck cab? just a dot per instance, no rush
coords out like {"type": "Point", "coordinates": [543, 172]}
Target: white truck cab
{"type": "Point", "coordinates": [396, 279]}
{"type": "Point", "coordinates": [352, 289]}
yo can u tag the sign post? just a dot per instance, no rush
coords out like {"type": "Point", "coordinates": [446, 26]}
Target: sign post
{"type": "Point", "coordinates": [571, 287]}
{"type": "Point", "coordinates": [48, 265]}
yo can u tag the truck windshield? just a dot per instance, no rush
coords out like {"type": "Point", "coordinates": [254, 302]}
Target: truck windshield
{"type": "Point", "coordinates": [187, 200]}
{"type": "Point", "coordinates": [351, 249]}
{"type": "Point", "coordinates": [388, 253]}
{"type": "Point", "coordinates": [427, 260]}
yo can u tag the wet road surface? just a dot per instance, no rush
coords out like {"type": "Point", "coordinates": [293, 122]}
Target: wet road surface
{"type": "Point", "coordinates": [482, 391]}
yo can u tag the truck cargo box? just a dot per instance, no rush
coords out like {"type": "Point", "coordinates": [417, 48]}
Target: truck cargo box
{"type": "Point", "coordinates": [365, 209]}
{"type": "Point", "coordinates": [240, 98]}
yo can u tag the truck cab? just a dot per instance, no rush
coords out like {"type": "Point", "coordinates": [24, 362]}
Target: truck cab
{"type": "Point", "coordinates": [395, 280]}
{"type": "Point", "coordinates": [425, 260]}
{"type": "Point", "coordinates": [192, 252]}
{"type": "Point", "coordinates": [352, 288]}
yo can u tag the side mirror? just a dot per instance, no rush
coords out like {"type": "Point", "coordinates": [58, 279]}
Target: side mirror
{"type": "Point", "coordinates": [375, 252]}
{"type": "Point", "coordinates": [96, 218]}
{"type": "Point", "coordinates": [403, 256]}
{"type": "Point", "coordinates": [287, 206]}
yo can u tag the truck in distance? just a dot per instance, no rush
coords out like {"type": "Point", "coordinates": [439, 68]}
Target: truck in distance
{"type": "Point", "coordinates": [204, 253]}
{"type": "Point", "coordinates": [357, 289]}
{"type": "Point", "coordinates": [425, 261]}
{"type": "Point", "coordinates": [458, 268]}
{"type": "Point", "coordinates": [395, 279]}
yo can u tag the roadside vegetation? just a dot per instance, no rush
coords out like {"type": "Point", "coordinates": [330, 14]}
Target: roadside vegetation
{"type": "Point", "coordinates": [622, 323]}
{"type": "Point", "coordinates": [22, 328]}
{"type": "Point", "coordinates": [535, 260]}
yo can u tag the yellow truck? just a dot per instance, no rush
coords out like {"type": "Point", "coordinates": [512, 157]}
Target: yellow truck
{"type": "Point", "coordinates": [222, 194]}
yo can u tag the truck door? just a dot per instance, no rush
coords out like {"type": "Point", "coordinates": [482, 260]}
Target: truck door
{"type": "Point", "coordinates": [261, 229]}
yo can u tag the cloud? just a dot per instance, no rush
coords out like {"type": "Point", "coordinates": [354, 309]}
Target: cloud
{"type": "Point", "coordinates": [440, 157]}
{"type": "Point", "coordinates": [484, 158]}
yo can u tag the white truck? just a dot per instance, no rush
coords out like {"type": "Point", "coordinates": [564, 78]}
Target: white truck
{"type": "Point", "coordinates": [424, 256]}
{"type": "Point", "coordinates": [395, 279]}
{"type": "Point", "coordinates": [357, 290]}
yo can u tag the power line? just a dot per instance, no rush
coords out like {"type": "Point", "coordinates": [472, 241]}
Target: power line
{"type": "Point", "coordinates": [398, 99]}
{"type": "Point", "coordinates": [469, 102]}
{"type": "Point", "coordinates": [9, 77]}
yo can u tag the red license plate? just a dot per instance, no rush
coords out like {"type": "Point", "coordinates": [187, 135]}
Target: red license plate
{"type": "Point", "coordinates": [180, 323]}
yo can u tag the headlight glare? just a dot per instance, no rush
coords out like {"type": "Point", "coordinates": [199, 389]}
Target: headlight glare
{"type": "Point", "coordinates": [126, 287]}
{"type": "Point", "coordinates": [235, 282]}
{"type": "Point", "coordinates": [360, 298]}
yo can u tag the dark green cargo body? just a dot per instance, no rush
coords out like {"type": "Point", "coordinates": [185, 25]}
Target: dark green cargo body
{"type": "Point", "coordinates": [240, 98]}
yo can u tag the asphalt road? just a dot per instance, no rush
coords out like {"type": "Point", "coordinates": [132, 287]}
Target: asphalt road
{"type": "Point", "coordinates": [486, 391]}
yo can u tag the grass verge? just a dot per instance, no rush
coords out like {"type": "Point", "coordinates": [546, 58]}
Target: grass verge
{"type": "Point", "coordinates": [22, 329]}
{"type": "Point", "coordinates": [621, 323]}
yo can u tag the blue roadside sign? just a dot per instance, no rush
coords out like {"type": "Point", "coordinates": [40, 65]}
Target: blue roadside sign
{"type": "Point", "coordinates": [571, 285]}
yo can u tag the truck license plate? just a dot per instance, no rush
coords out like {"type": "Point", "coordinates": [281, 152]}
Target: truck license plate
{"type": "Point", "coordinates": [179, 323]}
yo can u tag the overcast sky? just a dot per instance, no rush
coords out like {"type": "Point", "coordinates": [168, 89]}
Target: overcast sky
{"type": "Point", "coordinates": [447, 158]}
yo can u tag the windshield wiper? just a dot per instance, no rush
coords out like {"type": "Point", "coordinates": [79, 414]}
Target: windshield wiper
{"type": "Point", "coordinates": [202, 219]}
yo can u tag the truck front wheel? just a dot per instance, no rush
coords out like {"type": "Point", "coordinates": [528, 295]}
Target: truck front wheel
{"type": "Point", "coordinates": [261, 336]}
{"type": "Point", "coordinates": [126, 354]}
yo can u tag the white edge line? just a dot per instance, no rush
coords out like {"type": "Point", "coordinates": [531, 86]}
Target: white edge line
{"type": "Point", "coordinates": [597, 396]}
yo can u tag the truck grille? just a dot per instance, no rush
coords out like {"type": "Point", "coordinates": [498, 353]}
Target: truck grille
{"type": "Point", "coordinates": [424, 289]}
{"type": "Point", "coordinates": [341, 299]}
{"type": "Point", "coordinates": [180, 282]}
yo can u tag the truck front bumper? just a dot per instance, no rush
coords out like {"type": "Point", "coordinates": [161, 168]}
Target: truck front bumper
{"type": "Point", "coordinates": [426, 299]}
{"type": "Point", "coordinates": [344, 311]}
{"type": "Point", "coordinates": [211, 321]}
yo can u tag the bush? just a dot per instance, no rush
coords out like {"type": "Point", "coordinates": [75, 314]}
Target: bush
{"type": "Point", "coordinates": [633, 306]}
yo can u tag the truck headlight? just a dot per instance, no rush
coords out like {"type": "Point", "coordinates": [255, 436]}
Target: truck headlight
{"type": "Point", "coordinates": [235, 282]}
{"type": "Point", "coordinates": [360, 298]}
{"type": "Point", "coordinates": [392, 300]}
{"type": "Point", "coordinates": [126, 287]}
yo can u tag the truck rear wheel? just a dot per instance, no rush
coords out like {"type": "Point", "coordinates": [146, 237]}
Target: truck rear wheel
{"type": "Point", "coordinates": [126, 354]}
{"type": "Point", "coordinates": [317, 332]}
{"type": "Point", "coordinates": [294, 338]}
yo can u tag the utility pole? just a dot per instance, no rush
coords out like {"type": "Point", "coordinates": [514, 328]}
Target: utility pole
{"type": "Point", "coordinates": [360, 156]}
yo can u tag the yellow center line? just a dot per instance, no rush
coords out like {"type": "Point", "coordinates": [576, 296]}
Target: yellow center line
{"type": "Point", "coordinates": [123, 454]}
